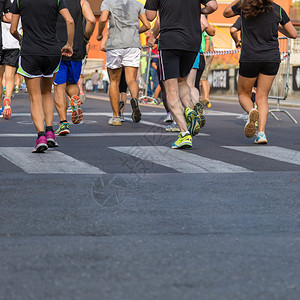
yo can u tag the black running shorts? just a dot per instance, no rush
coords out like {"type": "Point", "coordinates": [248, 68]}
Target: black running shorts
{"type": "Point", "coordinates": [176, 63]}
{"type": "Point", "coordinates": [252, 69]}
{"type": "Point", "coordinates": [32, 66]}
{"type": "Point", "coordinates": [10, 57]}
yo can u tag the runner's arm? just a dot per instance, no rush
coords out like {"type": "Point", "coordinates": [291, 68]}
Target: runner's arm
{"type": "Point", "coordinates": [288, 30]}
{"type": "Point", "coordinates": [235, 36]}
{"type": "Point", "coordinates": [7, 18]}
{"type": "Point", "coordinates": [90, 20]}
{"type": "Point", "coordinates": [204, 22]}
{"type": "Point", "coordinates": [155, 33]}
{"type": "Point", "coordinates": [210, 30]}
{"type": "Point", "coordinates": [210, 7]}
{"type": "Point", "coordinates": [151, 14]}
{"type": "Point", "coordinates": [102, 22]}
{"type": "Point", "coordinates": [146, 24]}
{"type": "Point", "coordinates": [67, 50]}
{"type": "Point", "coordinates": [228, 12]}
{"type": "Point", "coordinates": [14, 27]}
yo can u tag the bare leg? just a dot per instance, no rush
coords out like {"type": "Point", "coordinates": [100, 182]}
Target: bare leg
{"type": "Point", "coordinates": [245, 86]}
{"type": "Point", "coordinates": [131, 75]}
{"type": "Point", "coordinates": [264, 84]}
{"type": "Point", "coordinates": [61, 101]}
{"type": "Point", "coordinates": [184, 92]}
{"type": "Point", "coordinates": [205, 89]}
{"type": "Point", "coordinates": [48, 103]}
{"type": "Point", "coordinates": [36, 101]}
{"type": "Point", "coordinates": [114, 95]}
{"type": "Point", "coordinates": [1, 77]}
{"type": "Point", "coordinates": [191, 79]}
{"type": "Point", "coordinates": [174, 103]}
{"type": "Point", "coordinates": [9, 80]}
{"type": "Point", "coordinates": [72, 89]}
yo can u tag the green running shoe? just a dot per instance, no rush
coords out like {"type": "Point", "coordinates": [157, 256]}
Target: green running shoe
{"type": "Point", "coordinates": [183, 142]}
{"type": "Point", "coordinates": [192, 121]}
{"type": "Point", "coordinates": [63, 129]}
{"type": "Point", "coordinates": [198, 108]}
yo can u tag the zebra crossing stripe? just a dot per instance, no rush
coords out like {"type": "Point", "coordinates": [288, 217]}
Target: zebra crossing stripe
{"type": "Point", "coordinates": [50, 162]}
{"type": "Point", "coordinates": [179, 160]}
{"type": "Point", "coordinates": [273, 152]}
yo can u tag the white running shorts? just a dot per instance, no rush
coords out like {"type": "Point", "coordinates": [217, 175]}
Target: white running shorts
{"type": "Point", "coordinates": [118, 58]}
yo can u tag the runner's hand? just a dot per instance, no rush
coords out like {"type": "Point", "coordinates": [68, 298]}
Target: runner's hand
{"type": "Point", "coordinates": [151, 41]}
{"type": "Point", "coordinates": [67, 50]}
{"type": "Point", "coordinates": [238, 44]}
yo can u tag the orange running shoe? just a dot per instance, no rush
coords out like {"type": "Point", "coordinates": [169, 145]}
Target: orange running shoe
{"type": "Point", "coordinates": [7, 109]}
{"type": "Point", "coordinates": [77, 114]}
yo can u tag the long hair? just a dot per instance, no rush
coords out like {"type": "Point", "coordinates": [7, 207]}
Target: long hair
{"type": "Point", "coordinates": [251, 8]}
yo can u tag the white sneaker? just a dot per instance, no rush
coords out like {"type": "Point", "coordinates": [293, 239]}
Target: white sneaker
{"type": "Point", "coordinates": [116, 121]}
{"type": "Point", "coordinates": [261, 138]}
{"type": "Point", "coordinates": [250, 127]}
{"type": "Point", "coordinates": [122, 118]}
{"type": "Point", "coordinates": [168, 118]}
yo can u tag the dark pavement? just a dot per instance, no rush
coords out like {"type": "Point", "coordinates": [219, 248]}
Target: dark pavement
{"type": "Point", "coordinates": [136, 223]}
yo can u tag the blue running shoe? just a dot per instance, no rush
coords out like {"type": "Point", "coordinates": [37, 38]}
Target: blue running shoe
{"type": "Point", "coordinates": [261, 138]}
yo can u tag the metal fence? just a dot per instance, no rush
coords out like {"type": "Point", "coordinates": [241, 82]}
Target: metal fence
{"type": "Point", "coordinates": [281, 84]}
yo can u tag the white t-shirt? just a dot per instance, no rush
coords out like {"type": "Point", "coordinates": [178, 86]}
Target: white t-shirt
{"type": "Point", "coordinates": [8, 41]}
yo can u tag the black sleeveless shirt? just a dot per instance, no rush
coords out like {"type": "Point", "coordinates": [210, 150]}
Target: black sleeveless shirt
{"type": "Point", "coordinates": [61, 31]}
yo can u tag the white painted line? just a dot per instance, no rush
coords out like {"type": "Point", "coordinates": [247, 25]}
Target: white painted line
{"type": "Point", "coordinates": [50, 162]}
{"type": "Point", "coordinates": [273, 152]}
{"type": "Point", "coordinates": [103, 134]}
{"type": "Point", "coordinates": [109, 114]}
{"type": "Point", "coordinates": [180, 160]}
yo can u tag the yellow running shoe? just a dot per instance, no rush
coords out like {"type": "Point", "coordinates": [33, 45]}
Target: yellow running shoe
{"type": "Point", "coordinates": [183, 142]}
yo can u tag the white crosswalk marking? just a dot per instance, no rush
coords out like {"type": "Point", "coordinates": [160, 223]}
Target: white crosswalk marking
{"type": "Point", "coordinates": [273, 152]}
{"type": "Point", "coordinates": [181, 161]}
{"type": "Point", "coordinates": [51, 162]}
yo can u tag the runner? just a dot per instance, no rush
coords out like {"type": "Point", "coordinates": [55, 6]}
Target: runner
{"type": "Point", "coordinates": [260, 57]}
{"type": "Point", "coordinates": [5, 16]}
{"type": "Point", "coordinates": [40, 57]}
{"type": "Point", "coordinates": [70, 67]}
{"type": "Point", "coordinates": [180, 29]}
{"type": "Point", "coordinates": [123, 49]}
{"type": "Point", "coordinates": [9, 62]}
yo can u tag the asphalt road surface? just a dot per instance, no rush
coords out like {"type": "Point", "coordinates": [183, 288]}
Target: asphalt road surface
{"type": "Point", "coordinates": [114, 213]}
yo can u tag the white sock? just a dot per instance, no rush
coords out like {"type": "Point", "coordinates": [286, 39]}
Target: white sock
{"type": "Point", "coordinates": [184, 133]}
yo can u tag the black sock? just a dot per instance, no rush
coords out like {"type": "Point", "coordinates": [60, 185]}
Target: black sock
{"type": "Point", "coordinates": [49, 128]}
{"type": "Point", "coordinates": [41, 133]}
{"type": "Point", "coordinates": [64, 121]}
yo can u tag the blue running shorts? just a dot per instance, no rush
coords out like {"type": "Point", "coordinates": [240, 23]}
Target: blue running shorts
{"type": "Point", "coordinates": [69, 71]}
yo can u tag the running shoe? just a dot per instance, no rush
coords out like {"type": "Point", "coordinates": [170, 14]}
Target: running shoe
{"type": "Point", "coordinates": [1, 112]}
{"type": "Point", "coordinates": [122, 118]}
{"type": "Point", "coordinates": [51, 140]}
{"type": "Point", "coordinates": [206, 103]}
{"type": "Point", "coordinates": [82, 97]}
{"type": "Point", "coordinates": [40, 145]}
{"type": "Point", "coordinates": [173, 128]}
{"type": "Point", "coordinates": [192, 121]}
{"type": "Point", "coordinates": [261, 138]}
{"type": "Point", "coordinates": [7, 109]}
{"type": "Point", "coordinates": [250, 127]}
{"type": "Point", "coordinates": [243, 116]}
{"type": "Point", "coordinates": [136, 113]}
{"type": "Point", "coordinates": [198, 108]}
{"type": "Point", "coordinates": [77, 114]}
{"type": "Point", "coordinates": [183, 142]}
{"type": "Point", "coordinates": [16, 90]}
{"type": "Point", "coordinates": [168, 118]}
{"type": "Point", "coordinates": [69, 109]}
{"type": "Point", "coordinates": [115, 121]}
{"type": "Point", "coordinates": [63, 129]}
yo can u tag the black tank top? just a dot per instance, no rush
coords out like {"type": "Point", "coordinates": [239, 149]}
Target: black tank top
{"type": "Point", "coordinates": [61, 31]}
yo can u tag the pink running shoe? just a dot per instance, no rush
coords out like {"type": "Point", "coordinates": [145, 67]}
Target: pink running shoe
{"type": "Point", "coordinates": [51, 140]}
{"type": "Point", "coordinates": [40, 145]}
